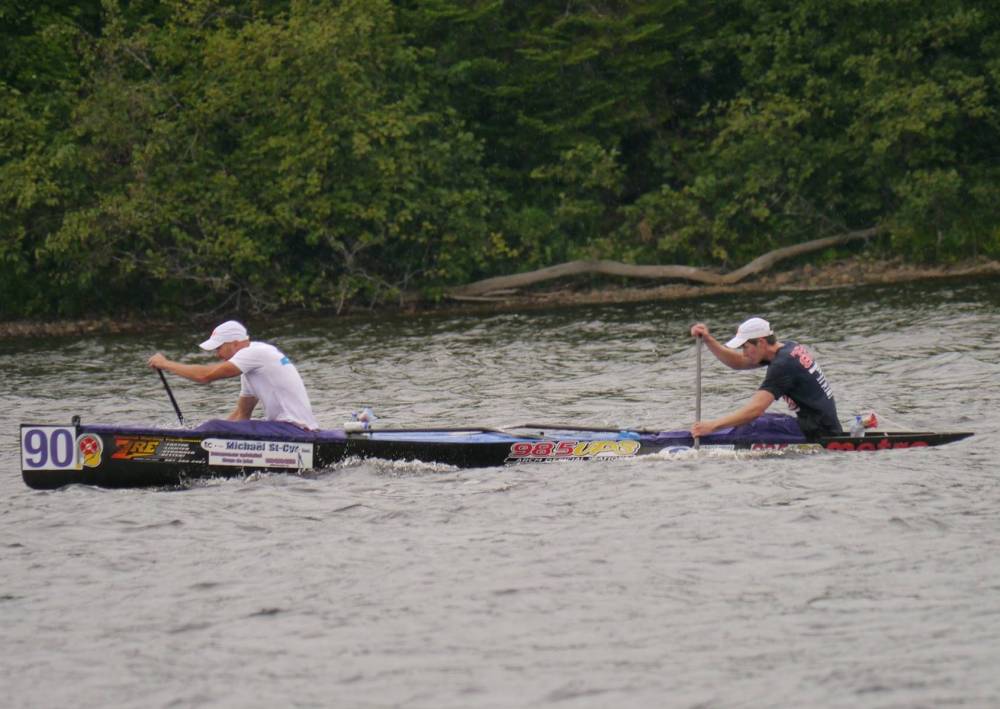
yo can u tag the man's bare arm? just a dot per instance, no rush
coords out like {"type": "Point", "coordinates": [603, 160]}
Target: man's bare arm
{"type": "Point", "coordinates": [201, 373]}
{"type": "Point", "coordinates": [748, 412]}
{"type": "Point", "coordinates": [244, 408]}
{"type": "Point", "coordinates": [733, 359]}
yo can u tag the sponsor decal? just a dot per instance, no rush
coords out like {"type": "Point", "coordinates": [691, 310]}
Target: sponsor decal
{"type": "Point", "coordinates": [883, 444]}
{"type": "Point", "coordinates": [90, 447]}
{"type": "Point", "coordinates": [719, 448]}
{"type": "Point", "coordinates": [154, 449]}
{"type": "Point", "coordinates": [259, 454]}
{"type": "Point", "coordinates": [571, 450]}
{"type": "Point", "coordinates": [787, 447]}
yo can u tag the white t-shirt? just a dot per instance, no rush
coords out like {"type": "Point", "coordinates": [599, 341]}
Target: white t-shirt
{"type": "Point", "coordinates": [271, 377]}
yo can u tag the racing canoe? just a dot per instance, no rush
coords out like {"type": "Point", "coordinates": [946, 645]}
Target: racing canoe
{"type": "Point", "coordinates": [115, 456]}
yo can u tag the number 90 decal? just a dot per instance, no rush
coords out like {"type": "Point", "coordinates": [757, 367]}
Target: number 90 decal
{"type": "Point", "coordinates": [58, 448]}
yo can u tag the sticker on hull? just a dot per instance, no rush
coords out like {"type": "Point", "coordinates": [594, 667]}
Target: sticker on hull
{"type": "Point", "coordinates": [156, 449]}
{"type": "Point", "coordinates": [90, 447]}
{"type": "Point", "coordinates": [530, 451]}
{"type": "Point", "coordinates": [883, 444]}
{"type": "Point", "coordinates": [59, 448]}
{"type": "Point", "coordinates": [259, 454]}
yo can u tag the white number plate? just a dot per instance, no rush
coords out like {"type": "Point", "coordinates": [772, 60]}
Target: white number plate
{"type": "Point", "coordinates": [49, 448]}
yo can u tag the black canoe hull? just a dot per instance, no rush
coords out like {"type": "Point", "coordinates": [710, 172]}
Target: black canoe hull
{"type": "Point", "coordinates": [126, 457]}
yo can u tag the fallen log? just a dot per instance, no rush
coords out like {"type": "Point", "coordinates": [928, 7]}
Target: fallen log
{"type": "Point", "coordinates": [689, 273]}
{"type": "Point", "coordinates": [762, 263]}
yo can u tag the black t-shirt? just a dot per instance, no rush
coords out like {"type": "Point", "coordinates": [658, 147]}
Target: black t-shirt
{"type": "Point", "coordinates": [794, 375]}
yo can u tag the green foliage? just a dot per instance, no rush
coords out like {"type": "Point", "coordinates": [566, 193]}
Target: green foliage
{"type": "Point", "coordinates": [229, 161]}
{"type": "Point", "coordinates": [877, 113]}
{"type": "Point", "coordinates": [201, 155]}
{"type": "Point", "coordinates": [558, 92]}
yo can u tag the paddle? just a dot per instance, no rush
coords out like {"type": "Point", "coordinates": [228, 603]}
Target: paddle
{"type": "Point", "coordinates": [697, 395]}
{"type": "Point", "coordinates": [180, 416]}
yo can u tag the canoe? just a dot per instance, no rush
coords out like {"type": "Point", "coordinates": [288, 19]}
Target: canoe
{"type": "Point", "coordinates": [117, 456]}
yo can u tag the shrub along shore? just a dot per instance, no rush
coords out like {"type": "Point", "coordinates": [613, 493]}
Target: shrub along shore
{"type": "Point", "coordinates": [846, 273]}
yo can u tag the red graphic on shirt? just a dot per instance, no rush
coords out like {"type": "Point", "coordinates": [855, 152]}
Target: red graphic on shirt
{"type": "Point", "coordinates": [802, 355]}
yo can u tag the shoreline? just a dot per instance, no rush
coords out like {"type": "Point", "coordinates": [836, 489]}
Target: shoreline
{"type": "Point", "coordinates": [844, 273]}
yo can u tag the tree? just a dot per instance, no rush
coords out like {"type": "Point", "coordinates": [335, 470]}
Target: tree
{"type": "Point", "coordinates": [236, 160]}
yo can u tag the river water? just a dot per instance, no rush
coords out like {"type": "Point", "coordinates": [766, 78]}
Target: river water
{"type": "Point", "coordinates": [829, 580]}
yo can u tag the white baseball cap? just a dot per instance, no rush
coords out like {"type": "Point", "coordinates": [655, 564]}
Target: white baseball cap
{"type": "Point", "coordinates": [229, 331]}
{"type": "Point", "coordinates": [750, 330]}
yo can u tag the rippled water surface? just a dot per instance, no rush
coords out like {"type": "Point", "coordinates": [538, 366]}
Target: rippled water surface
{"type": "Point", "coordinates": [835, 580]}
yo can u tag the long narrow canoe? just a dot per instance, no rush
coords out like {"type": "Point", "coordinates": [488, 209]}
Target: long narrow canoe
{"type": "Point", "coordinates": [135, 456]}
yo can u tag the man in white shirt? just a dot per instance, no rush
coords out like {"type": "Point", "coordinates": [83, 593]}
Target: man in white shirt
{"type": "Point", "coordinates": [266, 375]}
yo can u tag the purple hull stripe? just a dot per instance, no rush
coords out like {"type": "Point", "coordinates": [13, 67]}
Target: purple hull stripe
{"type": "Point", "coordinates": [222, 427]}
{"type": "Point", "coordinates": [267, 429]}
{"type": "Point", "coordinates": [769, 428]}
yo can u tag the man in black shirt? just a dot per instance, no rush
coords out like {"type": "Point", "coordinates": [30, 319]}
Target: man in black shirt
{"type": "Point", "coordinates": [791, 373]}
